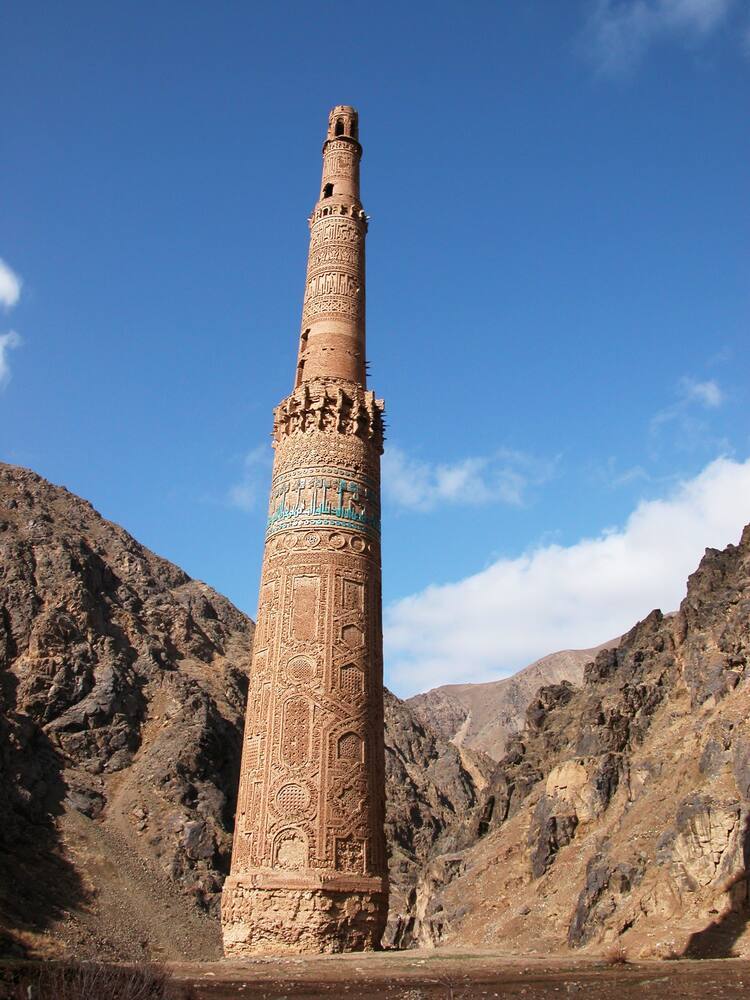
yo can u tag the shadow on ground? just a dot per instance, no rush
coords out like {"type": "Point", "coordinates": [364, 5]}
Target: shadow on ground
{"type": "Point", "coordinates": [37, 883]}
{"type": "Point", "coordinates": [719, 938]}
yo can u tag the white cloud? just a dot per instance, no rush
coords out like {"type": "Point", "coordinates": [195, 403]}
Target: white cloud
{"type": "Point", "coordinates": [559, 597]}
{"type": "Point", "coordinates": [614, 477]}
{"type": "Point", "coordinates": [620, 31]}
{"type": "Point", "coordinates": [503, 477]}
{"type": "Point", "coordinates": [10, 292]}
{"type": "Point", "coordinates": [707, 393]}
{"type": "Point", "coordinates": [7, 341]}
{"type": "Point", "coordinates": [10, 286]}
{"type": "Point", "coordinates": [255, 479]}
{"type": "Point", "coordinates": [692, 429]}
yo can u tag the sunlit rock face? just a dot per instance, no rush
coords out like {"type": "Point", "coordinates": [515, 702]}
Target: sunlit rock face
{"type": "Point", "coordinates": [620, 811]}
{"type": "Point", "coordinates": [122, 684]}
{"type": "Point", "coordinates": [484, 717]}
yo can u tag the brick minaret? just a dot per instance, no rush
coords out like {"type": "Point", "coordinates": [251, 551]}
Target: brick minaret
{"type": "Point", "coordinates": [308, 863]}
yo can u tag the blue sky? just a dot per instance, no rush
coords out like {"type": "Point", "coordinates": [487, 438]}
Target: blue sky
{"type": "Point", "coordinates": [557, 290]}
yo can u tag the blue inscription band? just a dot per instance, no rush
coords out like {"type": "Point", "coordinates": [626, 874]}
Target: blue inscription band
{"type": "Point", "coordinates": [323, 497]}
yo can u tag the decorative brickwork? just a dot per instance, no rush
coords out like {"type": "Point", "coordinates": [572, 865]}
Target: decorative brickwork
{"type": "Point", "coordinates": [309, 865]}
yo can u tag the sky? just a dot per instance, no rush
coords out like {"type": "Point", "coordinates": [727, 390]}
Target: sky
{"type": "Point", "coordinates": [557, 291]}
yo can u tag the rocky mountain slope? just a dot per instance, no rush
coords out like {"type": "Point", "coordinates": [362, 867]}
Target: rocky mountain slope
{"type": "Point", "coordinates": [485, 716]}
{"type": "Point", "coordinates": [122, 683]}
{"type": "Point", "coordinates": [122, 687]}
{"type": "Point", "coordinates": [621, 813]}
{"type": "Point", "coordinates": [431, 788]}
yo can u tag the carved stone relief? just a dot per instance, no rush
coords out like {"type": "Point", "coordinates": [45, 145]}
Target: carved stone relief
{"type": "Point", "coordinates": [330, 407]}
{"type": "Point", "coordinates": [290, 850]}
{"type": "Point", "coordinates": [308, 866]}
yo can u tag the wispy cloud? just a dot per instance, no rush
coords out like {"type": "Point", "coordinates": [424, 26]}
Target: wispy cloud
{"type": "Point", "coordinates": [559, 597]}
{"type": "Point", "coordinates": [10, 286]}
{"type": "Point", "coordinates": [693, 397]}
{"type": "Point", "coordinates": [7, 342]}
{"type": "Point", "coordinates": [612, 476]}
{"type": "Point", "coordinates": [10, 293]}
{"type": "Point", "coordinates": [253, 485]}
{"type": "Point", "coordinates": [503, 477]}
{"type": "Point", "coordinates": [685, 425]}
{"type": "Point", "coordinates": [706, 393]}
{"type": "Point", "coordinates": [723, 356]}
{"type": "Point", "coordinates": [619, 32]}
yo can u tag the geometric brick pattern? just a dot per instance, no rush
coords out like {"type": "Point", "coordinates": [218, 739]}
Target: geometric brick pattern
{"type": "Point", "coordinates": [309, 868]}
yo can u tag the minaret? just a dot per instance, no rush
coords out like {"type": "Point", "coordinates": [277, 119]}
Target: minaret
{"type": "Point", "coordinates": [308, 864]}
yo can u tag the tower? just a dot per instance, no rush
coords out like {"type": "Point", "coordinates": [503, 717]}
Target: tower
{"type": "Point", "coordinates": [308, 864]}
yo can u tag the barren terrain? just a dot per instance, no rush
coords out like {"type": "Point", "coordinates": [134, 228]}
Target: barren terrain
{"type": "Point", "coordinates": [440, 975]}
{"type": "Point", "coordinates": [618, 819]}
{"type": "Point", "coordinates": [485, 716]}
{"type": "Point", "coordinates": [122, 694]}
{"type": "Point", "coordinates": [458, 975]}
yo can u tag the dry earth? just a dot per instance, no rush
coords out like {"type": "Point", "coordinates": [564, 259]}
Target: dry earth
{"type": "Point", "coordinates": [441, 975]}
{"type": "Point", "coordinates": [448, 975]}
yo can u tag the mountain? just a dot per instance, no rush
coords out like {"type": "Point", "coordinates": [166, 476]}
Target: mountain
{"type": "Point", "coordinates": [432, 786]}
{"type": "Point", "coordinates": [122, 693]}
{"type": "Point", "coordinates": [122, 686]}
{"type": "Point", "coordinates": [485, 716]}
{"type": "Point", "coordinates": [621, 812]}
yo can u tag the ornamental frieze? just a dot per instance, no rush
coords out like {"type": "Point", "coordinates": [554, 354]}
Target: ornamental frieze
{"type": "Point", "coordinates": [353, 411]}
{"type": "Point", "coordinates": [336, 229]}
{"type": "Point", "coordinates": [334, 253]}
{"type": "Point", "coordinates": [314, 499]}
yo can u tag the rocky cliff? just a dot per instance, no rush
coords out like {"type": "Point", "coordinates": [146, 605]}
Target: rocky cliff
{"type": "Point", "coordinates": [485, 716]}
{"type": "Point", "coordinates": [432, 786]}
{"type": "Point", "coordinates": [621, 812]}
{"type": "Point", "coordinates": [123, 685]}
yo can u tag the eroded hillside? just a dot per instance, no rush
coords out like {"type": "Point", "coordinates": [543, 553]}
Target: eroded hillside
{"type": "Point", "coordinates": [485, 716]}
{"type": "Point", "coordinates": [621, 811]}
{"type": "Point", "coordinates": [123, 685]}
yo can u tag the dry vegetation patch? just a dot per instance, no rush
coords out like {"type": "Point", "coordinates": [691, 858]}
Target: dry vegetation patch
{"type": "Point", "coordinates": [86, 981]}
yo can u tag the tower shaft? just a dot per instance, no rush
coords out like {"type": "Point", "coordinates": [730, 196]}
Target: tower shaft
{"type": "Point", "coordinates": [332, 342]}
{"type": "Point", "coordinates": [308, 864]}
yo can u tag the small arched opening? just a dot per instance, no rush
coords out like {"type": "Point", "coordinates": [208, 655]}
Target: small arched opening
{"type": "Point", "coordinates": [301, 360]}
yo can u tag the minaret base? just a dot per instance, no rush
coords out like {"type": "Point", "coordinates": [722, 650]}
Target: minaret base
{"type": "Point", "coordinates": [277, 920]}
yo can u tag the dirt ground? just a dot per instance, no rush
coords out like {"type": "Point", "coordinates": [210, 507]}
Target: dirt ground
{"type": "Point", "coordinates": [457, 975]}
